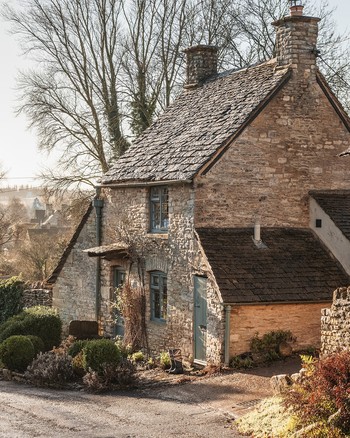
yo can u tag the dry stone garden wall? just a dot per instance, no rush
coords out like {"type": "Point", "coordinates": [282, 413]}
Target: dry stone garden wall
{"type": "Point", "coordinates": [37, 297]}
{"type": "Point", "coordinates": [335, 323]}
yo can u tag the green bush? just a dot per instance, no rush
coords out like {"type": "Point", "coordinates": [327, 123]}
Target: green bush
{"type": "Point", "coordinates": [40, 321]}
{"type": "Point", "coordinates": [16, 353]}
{"type": "Point", "coordinates": [110, 376]}
{"type": "Point", "coordinates": [11, 294]}
{"type": "Point", "coordinates": [324, 393]}
{"type": "Point", "coordinates": [99, 353]}
{"type": "Point", "coordinates": [266, 348]}
{"type": "Point", "coordinates": [38, 344]}
{"type": "Point", "coordinates": [77, 347]}
{"type": "Point", "coordinates": [138, 356]}
{"type": "Point", "coordinates": [50, 369]}
{"type": "Point", "coordinates": [164, 360]}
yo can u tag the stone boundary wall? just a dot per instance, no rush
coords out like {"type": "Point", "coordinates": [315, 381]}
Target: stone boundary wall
{"type": "Point", "coordinates": [335, 323]}
{"type": "Point", "coordinates": [37, 297]}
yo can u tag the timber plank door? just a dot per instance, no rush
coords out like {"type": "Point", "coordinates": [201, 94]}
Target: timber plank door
{"type": "Point", "coordinates": [200, 319]}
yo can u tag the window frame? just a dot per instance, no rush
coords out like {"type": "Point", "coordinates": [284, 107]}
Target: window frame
{"type": "Point", "coordinates": [159, 200]}
{"type": "Point", "coordinates": [159, 289]}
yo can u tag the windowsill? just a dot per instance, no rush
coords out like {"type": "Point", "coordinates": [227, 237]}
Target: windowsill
{"type": "Point", "coordinates": [157, 235]}
{"type": "Point", "coordinates": [158, 321]}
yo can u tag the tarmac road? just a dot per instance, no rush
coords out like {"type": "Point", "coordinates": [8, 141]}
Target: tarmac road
{"type": "Point", "coordinates": [26, 411]}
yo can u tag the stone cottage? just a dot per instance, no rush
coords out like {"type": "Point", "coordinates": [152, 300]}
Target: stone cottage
{"type": "Point", "coordinates": [208, 212]}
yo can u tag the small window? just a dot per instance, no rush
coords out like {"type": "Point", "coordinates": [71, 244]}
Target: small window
{"type": "Point", "coordinates": [159, 209]}
{"type": "Point", "coordinates": [159, 296]}
{"type": "Point", "coordinates": [118, 277]}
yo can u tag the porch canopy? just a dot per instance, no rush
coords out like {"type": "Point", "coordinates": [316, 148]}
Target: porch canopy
{"type": "Point", "coordinates": [109, 252]}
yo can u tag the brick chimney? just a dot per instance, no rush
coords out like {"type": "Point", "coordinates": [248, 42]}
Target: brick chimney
{"type": "Point", "coordinates": [201, 64]}
{"type": "Point", "coordinates": [296, 38]}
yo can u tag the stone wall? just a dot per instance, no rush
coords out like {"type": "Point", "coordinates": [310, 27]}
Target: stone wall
{"type": "Point", "coordinates": [290, 148]}
{"type": "Point", "coordinates": [335, 323]}
{"type": "Point", "coordinates": [74, 290]}
{"type": "Point", "coordinates": [126, 217]}
{"type": "Point", "coordinates": [303, 320]}
{"type": "Point", "coordinates": [37, 297]}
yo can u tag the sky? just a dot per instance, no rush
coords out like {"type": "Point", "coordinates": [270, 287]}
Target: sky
{"type": "Point", "coordinates": [19, 155]}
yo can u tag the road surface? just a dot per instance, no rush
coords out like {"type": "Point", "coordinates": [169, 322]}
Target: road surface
{"type": "Point", "coordinates": [32, 412]}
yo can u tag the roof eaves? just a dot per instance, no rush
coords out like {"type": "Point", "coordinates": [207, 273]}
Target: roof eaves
{"type": "Point", "coordinates": [257, 110]}
{"type": "Point", "coordinates": [55, 273]}
{"type": "Point", "coordinates": [334, 101]}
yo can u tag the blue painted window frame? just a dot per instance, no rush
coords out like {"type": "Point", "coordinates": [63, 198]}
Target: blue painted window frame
{"type": "Point", "coordinates": [159, 211]}
{"type": "Point", "coordinates": [159, 296]}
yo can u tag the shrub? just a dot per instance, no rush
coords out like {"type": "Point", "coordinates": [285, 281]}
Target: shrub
{"type": "Point", "coordinates": [164, 360]}
{"type": "Point", "coordinates": [244, 361]}
{"type": "Point", "coordinates": [50, 369]}
{"type": "Point", "coordinates": [266, 348]}
{"type": "Point", "coordinates": [38, 344]}
{"type": "Point", "coordinates": [98, 353]}
{"type": "Point", "coordinates": [77, 364]}
{"type": "Point", "coordinates": [324, 393]}
{"type": "Point", "coordinates": [125, 349]}
{"type": "Point", "coordinates": [17, 352]}
{"type": "Point", "coordinates": [138, 356]}
{"type": "Point", "coordinates": [77, 347]}
{"type": "Point", "coordinates": [40, 321]}
{"type": "Point", "coordinates": [11, 294]}
{"type": "Point", "coordinates": [110, 376]}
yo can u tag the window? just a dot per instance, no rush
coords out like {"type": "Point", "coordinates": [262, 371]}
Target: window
{"type": "Point", "coordinates": [159, 209]}
{"type": "Point", "coordinates": [118, 279]}
{"type": "Point", "coordinates": [159, 296]}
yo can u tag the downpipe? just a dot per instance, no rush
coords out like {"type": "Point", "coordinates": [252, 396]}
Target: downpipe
{"type": "Point", "coordinates": [98, 205]}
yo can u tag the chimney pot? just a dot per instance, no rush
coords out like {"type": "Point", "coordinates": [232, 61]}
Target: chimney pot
{"type": "Point", "coordinates": [201, 64]}
{"type": "Point", "coordinates": [296, 10]}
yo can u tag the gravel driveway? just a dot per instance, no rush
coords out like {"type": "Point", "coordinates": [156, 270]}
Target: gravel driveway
{"type": "Point", "coordinates": [203, 407]}
{"type": "Point", "coordinates": [32, 412]}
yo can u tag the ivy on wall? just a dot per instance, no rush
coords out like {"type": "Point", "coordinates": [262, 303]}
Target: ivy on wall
{"type": "Point", "coordinates": [11, 294]}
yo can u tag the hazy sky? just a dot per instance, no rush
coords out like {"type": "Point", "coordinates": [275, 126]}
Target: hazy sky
{"type": "Point", "coordinates": [19, 155]}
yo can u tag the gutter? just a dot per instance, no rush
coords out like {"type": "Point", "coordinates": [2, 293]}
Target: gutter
{"type": "Point", "coordinates": [270, 303]}
{"type": "Point", "coordinates": [98, 204]}
{"type": "Point", "coordinates": [227, 334]}
{"type": "Point", "coordinates": [144, 183]}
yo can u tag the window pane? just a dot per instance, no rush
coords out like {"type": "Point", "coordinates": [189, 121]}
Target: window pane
{"type": "Point", "coordinates": [155, 280]}
{"type": "Point", "coordinates": [156, 214]}
{"type": "Point", "coordinates": [165, 299]}
{"type": "Point", "coordinates": [155, 193]}
{"type": "Point", "coordinates": [159, 208]}
{"type": "Point", "coordinates": [157, 304]}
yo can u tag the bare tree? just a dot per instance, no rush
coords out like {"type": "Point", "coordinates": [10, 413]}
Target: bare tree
{"type": "Point", "coordinates": [105, 65]}
{"type": "Point", "coordinates": [151, 62]}
{"type": "Point", "coordinates": [72, 98]}
{"type": "Point", "coordinates": [13, 216]}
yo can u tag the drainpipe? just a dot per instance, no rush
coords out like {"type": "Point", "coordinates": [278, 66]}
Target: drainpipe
{"type": "Point", "coordinates": [98, 204]}
{"type": "Point", "coordinates": [227, 334]}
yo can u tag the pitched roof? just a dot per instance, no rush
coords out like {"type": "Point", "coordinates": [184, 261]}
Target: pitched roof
{"type": "Point", "coordinates": [53, 277]}
{"type": "Point", "coordinates": [198, 124]}
{"type": "Point", "coordinates": [295, 267]}
{"type": "Point", "coordinates": [336, 203]}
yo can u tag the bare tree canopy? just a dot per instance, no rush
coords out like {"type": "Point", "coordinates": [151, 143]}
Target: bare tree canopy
{"type": "Point", "coordinates": [106, 68]}
{"type": "Point", "coordinates": [72, 96]}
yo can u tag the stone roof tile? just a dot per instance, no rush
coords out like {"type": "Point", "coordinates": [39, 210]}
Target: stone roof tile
{"type": "Point", "coordinates": [295, 266]}
{"type": "Point", "coordinates": [196, 125]}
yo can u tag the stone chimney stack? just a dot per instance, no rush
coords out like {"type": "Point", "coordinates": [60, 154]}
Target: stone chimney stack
{"type": "Point", "coordinates": [202, 63]}
{"type": "Point", "coordinates": [296, 38]}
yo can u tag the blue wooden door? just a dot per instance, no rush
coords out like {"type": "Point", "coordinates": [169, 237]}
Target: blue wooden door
{"type": "Point", "coordinates": [200, 318]}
